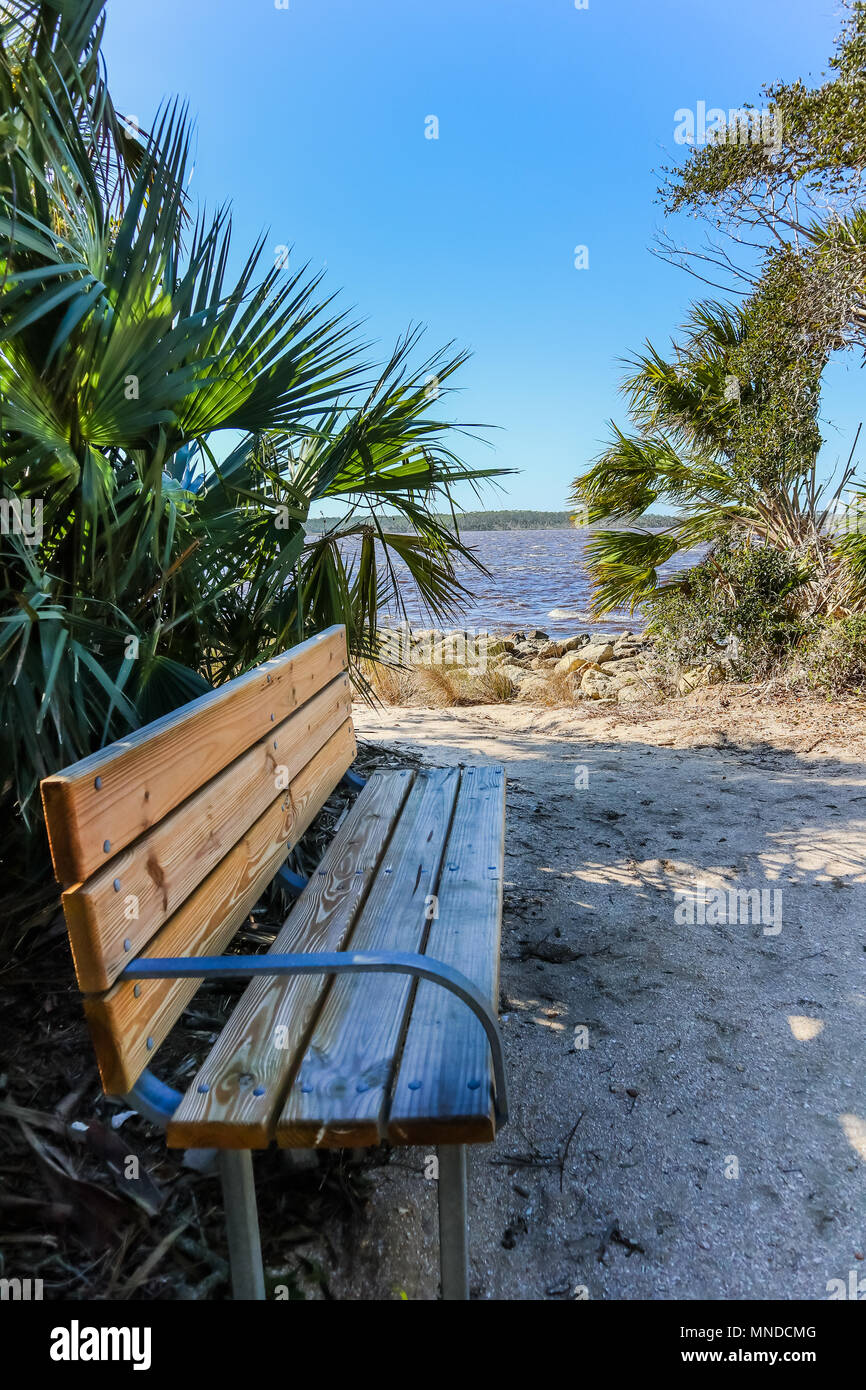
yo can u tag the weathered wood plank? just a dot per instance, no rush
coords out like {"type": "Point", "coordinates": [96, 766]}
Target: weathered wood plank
{"type": "Point", "coordinates": [235, 1098]}
{"type": "Point", "coordinates": [443, 1090]}
{"type": "Point", "coordinates": [128, 1016]}
{"type": "Point", "coordinates": [98, 806]}
{"type": "Point", "coordinates": [337, 1098]}
{"type": "Point", "coordinates": [116, 912]}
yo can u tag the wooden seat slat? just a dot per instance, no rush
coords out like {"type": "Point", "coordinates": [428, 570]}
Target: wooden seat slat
{"type": "Point", "coordinates": [143, 886]}
{"type": "Point", "coordinates": [234, 1100]}
{"type": "Point", "coordinates": [121, 1020]}
{"type": "Point", "coordinates": [443, 1088]}
{"type": "Point", "coordinates": [115, 795]}
{"type": "Point", "coordinates": [338, 1097]}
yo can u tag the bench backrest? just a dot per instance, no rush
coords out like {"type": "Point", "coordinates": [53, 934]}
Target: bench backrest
{"type": "Point", "coordinates": [164, 841]}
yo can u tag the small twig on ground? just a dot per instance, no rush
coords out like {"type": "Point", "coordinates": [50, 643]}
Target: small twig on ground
{"type": "Point", "coordinates": [567, 1147]}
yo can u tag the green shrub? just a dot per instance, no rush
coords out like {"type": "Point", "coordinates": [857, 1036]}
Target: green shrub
{"type": "Point", "coordinates": [733, 608]}
{"type": "Point", "coordinates": [834, 655]}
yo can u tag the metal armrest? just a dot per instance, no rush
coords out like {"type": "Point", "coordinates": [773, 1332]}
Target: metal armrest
{"type": "Point", "coordinates": [294, 883]}
{"type": "Point", "coordinates": [335, 963]}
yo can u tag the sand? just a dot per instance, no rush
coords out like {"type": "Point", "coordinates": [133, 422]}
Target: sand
{"type": "Point", "coordinates": [688, 1100]}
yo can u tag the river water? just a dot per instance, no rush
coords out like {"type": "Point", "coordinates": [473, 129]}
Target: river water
{"type": "Point", "coordinates": [537, 580]}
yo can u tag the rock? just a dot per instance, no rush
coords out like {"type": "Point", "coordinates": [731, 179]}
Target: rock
{"type": "Point", "coordinates": [592, 654]}
{"type": "Point", "coordinates": [572, 643]}
{"type": "Point", "coordinates": [631, 693]}
{"type": "Point", "coordinates": [572, 661]}
{"type": "Point", "coordinates": [517, 637]}
{"type": "Point", "coordinates": [533, 688]}
{"type": "Point", "coordinates": [507, 644]}
{"type": "Point", "coordinates": [516, 674]}
{"type": "Point", "coordinates": [543, 663]}
{"type": "Point", "coordinates": [595, 685]}
{"type": "Point", "coordinates": [620, 664]}
{"type": "Point", "coordinates": [551, 649]}
{"type": "Point", "coordinates": [539, 636]}
{"type": "Point", "coordinates": [697, 676]}
{"type": "Point", "coordinates": [605, 683]}
{"type": "Point", "coordinates": [597, 652]}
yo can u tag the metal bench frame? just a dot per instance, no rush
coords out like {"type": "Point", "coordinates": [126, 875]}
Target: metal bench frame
{"type": "Point", "coordinates": [158, 1101]}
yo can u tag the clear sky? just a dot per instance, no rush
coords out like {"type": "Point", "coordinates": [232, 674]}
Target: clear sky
{"type": "Point", "coordinates": [553, 123]}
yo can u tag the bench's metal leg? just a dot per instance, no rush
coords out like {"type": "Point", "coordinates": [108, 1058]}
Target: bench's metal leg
{"type": "Point", "coordinates": [242, 1224]}
{"type": "Point", "coordinates": [453, 1223]}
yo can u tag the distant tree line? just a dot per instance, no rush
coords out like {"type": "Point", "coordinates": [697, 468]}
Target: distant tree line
{"type": "Point", "coordinates": [492, 521]}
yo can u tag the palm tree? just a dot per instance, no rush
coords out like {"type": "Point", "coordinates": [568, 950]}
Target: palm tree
{"type": "Point", "coordinates": [725, 434]}
{"type": "Point", "coordinates": [176, 427]}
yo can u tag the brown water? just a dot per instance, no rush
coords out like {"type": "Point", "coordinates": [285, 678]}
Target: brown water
{"type": "Point", "coordinates": [537, 580]}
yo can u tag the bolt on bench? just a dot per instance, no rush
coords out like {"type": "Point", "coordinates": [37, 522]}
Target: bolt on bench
{"type": "Point", "coordinates": [372, 1017]}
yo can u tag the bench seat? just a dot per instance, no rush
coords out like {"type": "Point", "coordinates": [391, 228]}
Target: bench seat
{"type": "Point", "coordinates": [313, 1062]}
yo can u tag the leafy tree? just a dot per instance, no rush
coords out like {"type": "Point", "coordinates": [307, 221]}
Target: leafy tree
{"type": "Point", "coordinates": [725, 428]}
{"type": "Point", "coordinates": [800, 189]}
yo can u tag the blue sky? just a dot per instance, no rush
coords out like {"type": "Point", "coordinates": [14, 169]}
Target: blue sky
{"type": "Point", "coordinates": [553, 123]}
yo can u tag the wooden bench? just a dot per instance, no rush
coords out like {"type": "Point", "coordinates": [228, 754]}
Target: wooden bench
{"type": "Point", "coordinates": [372, 1018]}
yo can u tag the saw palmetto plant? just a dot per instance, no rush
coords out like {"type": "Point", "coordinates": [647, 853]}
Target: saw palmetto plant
{"type": "Point", "coordinates": [172, 425]}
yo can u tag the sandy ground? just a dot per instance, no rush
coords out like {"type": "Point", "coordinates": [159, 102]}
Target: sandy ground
{"type": "Point", "coordinates": [709, 1140]}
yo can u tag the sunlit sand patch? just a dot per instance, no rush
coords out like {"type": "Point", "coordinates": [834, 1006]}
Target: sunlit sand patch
{"type": "Point", "coordinates": [855, 1132]}
{"type": "Point", "coordinates": [822, 854]}
{"type": "Point", "coordinates": [654, 872]}
{"type": "Point", "coordinates": [804, 1029]}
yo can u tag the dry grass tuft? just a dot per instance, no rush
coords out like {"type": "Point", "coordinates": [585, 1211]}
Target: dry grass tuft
{"type": "Point", "coordinates": [442, 686]}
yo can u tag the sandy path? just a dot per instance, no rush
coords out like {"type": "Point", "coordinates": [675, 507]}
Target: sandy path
{"type": "Point", "coordinates": [712, 1048]}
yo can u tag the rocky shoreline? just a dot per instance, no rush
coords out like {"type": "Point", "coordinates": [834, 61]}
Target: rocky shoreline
{"type": "Point", "coordinates": [463, 667]}
{"type": "Point", "coordinates": [526, 665]}
{"type": "Point", "coordinates": [594, 666]}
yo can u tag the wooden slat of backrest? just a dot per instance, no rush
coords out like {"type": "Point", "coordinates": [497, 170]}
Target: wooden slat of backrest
{"type": "Point", "coordinates": [117, 794]}
{"type": "Point", "coordinates": [123, 1021]}
{"type": "Point", "coordinates": [116, 912]}
{"type": "Point", "coordinates": [338, 1096]}
{"type": "Point", "coordinates": [246, 1075]}
{"type": "Point", "coordinates": [442, 1093]}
